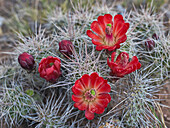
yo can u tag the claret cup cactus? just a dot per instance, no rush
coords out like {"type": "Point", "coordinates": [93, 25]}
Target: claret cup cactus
{"type": "Point", "coordinates": [90, 67]}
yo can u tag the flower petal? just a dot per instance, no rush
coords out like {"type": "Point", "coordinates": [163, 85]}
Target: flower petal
{"type": "Point", "coordinates": [50, 59]}
{"type": "Point", "coordinates": [100, 103]}
{"type": "Point", "coordinates": [89, 115]}
{"type": "Point", "coordinates": [103, 102]}
{"type": "Point", "coordinates": [99, 47]}
{"type": "Point", "coordinates": [121, 40]}
{"type": "Point", "coordinates": [99, 81]}
{"type": "Point", "coordinates": [42, 61]}
{"type": "Point", "coordinates": [93, 78]}
{"type": "Point", "coordinates": [92, 35]}
{"type": "Point", "coordinates": [113, 56]}
{"type": "Point", "coordinates": [112, 48]}
{"type": "Point", "coordinates": [96, 107]}
{"type": "Point", "coordinates": [133, 65]}
{"type": "Point", "coordinates": [76, 98]}
{"type": "Point", "coordinates": [96, 42]}
{"type": "Point", "coordinates": [118, 25]}
{"type": "Point", "coordinates": [101, 22]}
{"type": "Point", "coordinates": [43, 73]}
{"type": "Point", "coordinates": [96, 28]}
{"type": "Point", "coordinates": [122, 59]}
{"type": "Point", "coordinates": [85, 80]}
{"type": "Point", "coordinates": [104, 96]}
{"type": "Point", "coordinates": [79, 85]}
{"type": "Point", "coordinates": [118, 17]}
{"type": "Point", "coordinates": [138, 65]}
{"type": "Point", "coordinates": [83, 105]}
{"type": "Point", "coordinates": [50, 70]}
{"type": "Point", "coordinates": [111, 64]}
{"type": "Point", "coordinates": [77, 91]}
{"type": "Point", "coordinates": [104, 88]}
{"type": "Point", "coordinates": [108, 62]}
{"type": "Point", "coordinates": [107, 19]}
{"type": "Point", "coordinates": [77, 104]}
{"type": "Point", "coordinates": [57, 64]}
{"type": "Point", "coordinates": [123, 30]}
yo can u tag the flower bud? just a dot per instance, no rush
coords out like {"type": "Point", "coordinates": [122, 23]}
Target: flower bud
{"type": "Point", "coordinates": [122, 66]}
{"type": "Point", "coordinates": [150, 44]}
{"type": "Point", "coordinates": [26, 61]}
{"type": "Point", "coordinates": [155, 36]}
{"type": "Point", "coordinates": [65, 47]}
{"type": "Point", "coordinates": [49, 68]}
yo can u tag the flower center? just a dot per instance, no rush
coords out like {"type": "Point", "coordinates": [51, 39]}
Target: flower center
{"type": "Point", "coordinates": [108, 29]}
{"type": "Point", "coordinates": [109, 38]}
{"type": "Point", "coordinates": [90, 95]}
{"type": "Point", "coordinates": [93, 92]}
{"type": "Point", "coordinates": [109, 25]}
{"type": "Point", "coordinates": [124, 60]}
{"type": "Point", "coordinates": [51, 64]}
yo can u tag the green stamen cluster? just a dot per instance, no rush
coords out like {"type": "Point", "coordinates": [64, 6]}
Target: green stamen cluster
{"type": "Point", "coordinates": [51, 64]}
{"type": "Point", "coordinates": [93, 92]}
{"type": "Point", "coordinates": [109, 25]}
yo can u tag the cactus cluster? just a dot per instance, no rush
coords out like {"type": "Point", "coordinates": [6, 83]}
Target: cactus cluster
{"type": "Point", "coordinates": [63, 47]}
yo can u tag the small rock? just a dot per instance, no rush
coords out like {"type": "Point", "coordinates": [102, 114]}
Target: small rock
{"type": "Point", "coordinates": [1, 20]}
{"type": "Point", "coordinates": [165, 115]}
{"type": "Point", "coordinates": [168, 118]}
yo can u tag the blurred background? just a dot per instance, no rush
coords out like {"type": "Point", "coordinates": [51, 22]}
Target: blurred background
{"type": "Point", "coordinates": [22, 16]}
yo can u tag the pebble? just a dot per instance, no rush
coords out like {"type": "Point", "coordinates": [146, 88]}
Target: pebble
{"type": "Point", "coordinates": [165, 115]}
{"type": "Point", "coordinates": [1, 20]}
{"type": "Point", "coordinates": [168, 118]}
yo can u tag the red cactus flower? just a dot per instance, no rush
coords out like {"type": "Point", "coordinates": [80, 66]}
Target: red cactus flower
{"type": "Point", "coordinates": [49, 68]}
{"type": "Point", "coordinates": [65, 46]}
{"type": "Point", "coordinates": [108, 34]}
{"type": "Point", "coordinates": [91, 94]}
{"type": "Point", "coordinates": [26, 61]}
{"type": "Point", "coordinates": [149, 44]}
{"type": "Point", "coordinates": [122, 66]}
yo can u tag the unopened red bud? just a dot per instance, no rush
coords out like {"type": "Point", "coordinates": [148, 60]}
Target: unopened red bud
{"type": "Point", "coordinates": [155, 36]}
{"type": "Point", "coordinates": [122, 66]}
{"type": "Point", "coordinates": [26, 61]}
{"type": "Point", "coordinates": [49, 68]}
{"type": "Point", "coordinates": [66, 47]}
{"type": "Point", "coordinates": [150, 44]}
